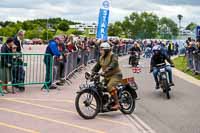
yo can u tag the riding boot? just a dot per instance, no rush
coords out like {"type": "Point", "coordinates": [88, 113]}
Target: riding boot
{"type": "Point", "coordinates": [117, 105]}
{"type": "Point", "coordinates": [157, 85]}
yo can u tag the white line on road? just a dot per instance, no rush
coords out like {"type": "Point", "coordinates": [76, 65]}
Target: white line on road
{"type": "Point", "coordinates": [139, 124]}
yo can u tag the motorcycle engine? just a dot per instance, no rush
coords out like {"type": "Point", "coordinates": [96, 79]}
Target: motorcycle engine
{"type": "Point", "coordinates": [105, 99]}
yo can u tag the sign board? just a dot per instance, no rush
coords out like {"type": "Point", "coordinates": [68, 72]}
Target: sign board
{"type": "Point", "coordinates": [102, 30]}
{"type": "Point", "coordinates": [198, 32]}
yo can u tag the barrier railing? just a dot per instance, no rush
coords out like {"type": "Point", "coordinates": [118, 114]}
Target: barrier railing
{"type": "Point", "coordinates": [76, 60]}
{"type": "Point", "coordinates": [29, 69]}
{"type": "Point", "coordinates": [18, 70]}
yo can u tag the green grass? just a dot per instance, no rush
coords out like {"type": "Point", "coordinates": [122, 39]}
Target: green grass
{"type": "Point", "coordinates": [181, 64]}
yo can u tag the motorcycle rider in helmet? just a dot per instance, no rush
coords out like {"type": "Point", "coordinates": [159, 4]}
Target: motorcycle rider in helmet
{"type": "Point", "coordinates": [159, 58]}
{"type": "Point", "coordinates": [110, 70]}
{"type": "Point", "coordinates": [135, 49]}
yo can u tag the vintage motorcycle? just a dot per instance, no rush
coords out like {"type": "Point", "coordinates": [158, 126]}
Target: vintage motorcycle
{"type": "Point", "coordinates": [93, 97]}
{"type": "Point", "coordinates": [163, 79]}
{"type": "Point", "coordinates": [134, 58]}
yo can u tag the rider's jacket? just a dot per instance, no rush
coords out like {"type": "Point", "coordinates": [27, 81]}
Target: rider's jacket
{"type": "Point", "coordinates": [134, 49]}
{"type": "Point", "coordinates": [109, 65]}
{"type": "Point", "coordinates": [159, 59]}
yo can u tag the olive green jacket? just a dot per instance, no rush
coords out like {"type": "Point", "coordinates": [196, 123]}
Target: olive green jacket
{"type": "Point", "coordinates": [109, 65]}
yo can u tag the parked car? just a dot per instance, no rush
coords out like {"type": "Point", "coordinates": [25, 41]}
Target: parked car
{"type": "Point", "coordinates": [28, 42]}
{"type": "Point", "coordinates": [37, 41]}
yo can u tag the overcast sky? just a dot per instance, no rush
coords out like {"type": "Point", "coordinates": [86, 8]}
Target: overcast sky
{"type": "Point", "coordinates": [88, 10]}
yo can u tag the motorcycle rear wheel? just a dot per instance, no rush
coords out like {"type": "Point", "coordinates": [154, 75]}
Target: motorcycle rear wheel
{"type": "Point", "coordinates": [127, 102]}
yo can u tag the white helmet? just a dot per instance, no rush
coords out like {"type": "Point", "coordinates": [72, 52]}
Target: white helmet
{"type": "Point", "coordinates": [157, 48]}
{"type": "Point", "coordinates": [105, 45]}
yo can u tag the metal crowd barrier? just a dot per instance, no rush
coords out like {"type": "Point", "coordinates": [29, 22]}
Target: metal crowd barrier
{"type": "Point", "coordinates": [121, 50]}
{"type": "Point", "coordinates": [18, 70]}
{"type": "Point", "coordinates": [75, 61]}
{"type": "Point", "coordinates": [193, 62]}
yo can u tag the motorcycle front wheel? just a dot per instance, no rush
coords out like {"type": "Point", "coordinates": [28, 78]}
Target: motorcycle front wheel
{"type": "Point", "coordinates": [87, 104]}
{"type": "Point", "coordinates": [166, 88]}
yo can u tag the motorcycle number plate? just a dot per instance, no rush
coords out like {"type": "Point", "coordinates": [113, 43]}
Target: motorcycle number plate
{"type": "Point", "coordinates": [162, 70]}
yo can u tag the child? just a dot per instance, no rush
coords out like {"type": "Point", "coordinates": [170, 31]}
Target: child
{"type": "Point", "coordinates": [18, 72]}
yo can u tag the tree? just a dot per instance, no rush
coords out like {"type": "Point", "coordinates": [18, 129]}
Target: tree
{"type": "Point", "coordinates": [191, 26]}
{"type": "Point", "coordinates": [74, 32]}
{"type": "Point", "coordinates": [144, 25]}
{"type": "Point", "coordinates": [149, 25]}
{"type": "Point", "coordinates": [34, 28]}
{"type": "Point", "coordinates": [171, 25]}
{"type": "Point", "coordinates": [44, 35]}
{"type": "Point", "coordinates": [64, 26]}
{"type": "Point", "coordinates": [115, 29]}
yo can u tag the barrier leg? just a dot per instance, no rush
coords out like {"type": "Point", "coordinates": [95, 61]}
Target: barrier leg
{"type": "Point", "coordinates": [1, 90]}
{"type": "Point", "coordinates": [46, 87]}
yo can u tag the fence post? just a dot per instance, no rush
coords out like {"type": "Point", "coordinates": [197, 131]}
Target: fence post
{"type": "Point", "coordinates": [1, 90]}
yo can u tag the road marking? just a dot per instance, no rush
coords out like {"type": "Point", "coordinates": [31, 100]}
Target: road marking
{"type": "Point", "coordinates": [18, 128]}
{"type": "Point", "coordinates": [51, 120]}
{"type": "Point", "coordinates": [140, 125]}
{"type": "Point", "coordinates": [66, 111]}
{"type": "Point", "coordinates": [42, 100]}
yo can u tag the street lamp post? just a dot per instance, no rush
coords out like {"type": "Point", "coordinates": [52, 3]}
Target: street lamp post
{"type": "Point", "coordinates": [47, 30]}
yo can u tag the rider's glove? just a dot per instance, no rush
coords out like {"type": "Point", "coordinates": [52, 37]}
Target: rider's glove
{"type": "Point", "coordinates": [9, 65]}
{"type": "Point", "coordinates": [102, 74]}
{"type": "Point", "coordinates": [151, 70]}
{"type": "Point", "coordinates": [93, 74]}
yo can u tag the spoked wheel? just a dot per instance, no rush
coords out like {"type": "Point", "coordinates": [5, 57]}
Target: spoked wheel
{"type": "Point", "coordinates": [127, 102]}
{"type": "Point", "coordinates": [166, 88]}
{"type": "Point", "coordinates": [87, 104]}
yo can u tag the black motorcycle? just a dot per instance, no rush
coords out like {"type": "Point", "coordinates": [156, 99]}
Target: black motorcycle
{"type": "Point", "coordinates": [134, 58]}
{"type": "Point", "coordinates": [93, 97]}
{"type": "Point", "coordinates": [163, 79]}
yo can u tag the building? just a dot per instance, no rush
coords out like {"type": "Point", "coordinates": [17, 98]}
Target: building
{"type": "Point", "coordinates": [83, 27]}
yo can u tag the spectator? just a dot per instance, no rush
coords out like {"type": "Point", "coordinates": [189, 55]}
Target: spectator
{"type": "Point", "coordinates": [97, 49]}
{"type": "Point", "coordinates": [59, 66]}
{"type": "Point", "coordinates": [198, 46]}
{"type": "Point", "coordinates": [70, 45]}
{"type": "Point", "coordinates": [18, 72]}
{"type": "Point", "coordinates": [190, 50]}
{"type": "Point", "coordinates": [170, 49]}
{"type": "Point", "coordinates": [86, 51]}
{"type": "Point", "coordinates": [18, 40]}
{"type": "Point", "coordinates": [51, 49]}
{"type": "Point", "coordinates": [176, 48]}
{"type": "Point", "coordinates": [6, 64]}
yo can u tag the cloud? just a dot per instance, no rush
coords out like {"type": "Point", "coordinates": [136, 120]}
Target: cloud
{"type": "Point", "coordinates": [177, 2]}
{"type": "Point", "coordinates": [88, 10]}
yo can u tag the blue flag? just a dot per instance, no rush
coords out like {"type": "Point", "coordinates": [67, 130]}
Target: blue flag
{"type": "Point", "coordinates": [102, 30]}
{"type": "Point", "coordinates": [198, 32]}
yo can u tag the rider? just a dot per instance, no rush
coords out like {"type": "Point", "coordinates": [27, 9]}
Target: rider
{"type": "Point", "coordinates": [110, 70]}
{"type": "Point", "coordinates": [135, 48]}
{"type": "Point", "coordinates": [159, 58]}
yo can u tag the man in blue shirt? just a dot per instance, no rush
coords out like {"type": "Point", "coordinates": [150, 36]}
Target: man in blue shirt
{"type": "Point", "coordinates": [51, 49]}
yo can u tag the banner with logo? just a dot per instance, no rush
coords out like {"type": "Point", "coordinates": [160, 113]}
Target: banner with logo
{"type": "Point", "coordinates": [102, 30]}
